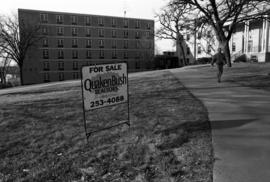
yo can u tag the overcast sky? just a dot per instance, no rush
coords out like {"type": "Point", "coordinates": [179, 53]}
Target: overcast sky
{"type": "Point", "coordinates": [134, 8]}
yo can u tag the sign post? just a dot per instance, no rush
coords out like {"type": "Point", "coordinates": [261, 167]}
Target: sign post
{"type": "Point", "coordinates": [102, 86]}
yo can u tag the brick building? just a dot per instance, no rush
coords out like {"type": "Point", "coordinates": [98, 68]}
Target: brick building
{"type": "Point", "coordinates": [71, 40]}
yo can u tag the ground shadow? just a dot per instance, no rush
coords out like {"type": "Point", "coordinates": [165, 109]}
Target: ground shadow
{"type": "Point", "coordinates": [223, 124]}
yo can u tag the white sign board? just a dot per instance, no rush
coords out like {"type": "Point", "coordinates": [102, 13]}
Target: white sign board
{"type": "Point", "coordinates": [104, 85]}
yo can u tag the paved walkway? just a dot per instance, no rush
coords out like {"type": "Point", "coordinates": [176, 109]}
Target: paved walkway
{"type": "Point", "coordinates": [240, 119]}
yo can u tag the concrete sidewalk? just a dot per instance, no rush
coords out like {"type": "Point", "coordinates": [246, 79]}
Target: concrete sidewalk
{"type": "Point", "coordinates": [240, 120]}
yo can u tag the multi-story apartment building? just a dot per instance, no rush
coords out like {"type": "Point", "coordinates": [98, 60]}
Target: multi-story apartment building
{"type": "Point", "coordinates": [70, 41]}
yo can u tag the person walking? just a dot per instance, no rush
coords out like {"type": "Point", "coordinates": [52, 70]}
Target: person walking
{"type": "Point", "coordinates": [220, 60]}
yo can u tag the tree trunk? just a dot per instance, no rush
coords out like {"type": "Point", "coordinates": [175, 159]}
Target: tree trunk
{"type": "Point", "coordinates": [3, 76]}
{"type": "Point", "coordinates": [183, 53]}
{"type": "Point", "coordinates": [21, 74]}
{"type": "Point", "coordinates": [3, 79]}
{"type": "Point", "coordinates": [226, 49]}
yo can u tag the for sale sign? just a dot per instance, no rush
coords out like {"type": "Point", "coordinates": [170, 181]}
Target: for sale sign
{"type": "Point", "coordinates": [104, 85]}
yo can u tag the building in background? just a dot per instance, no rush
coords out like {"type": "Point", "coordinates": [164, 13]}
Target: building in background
{"type": "Point", "coordinates": [198, 46]}
{"type": "Point", "coordinates": [70, 41]}
{"type": "Point", "coordinates": [249, 42]}
{"type": "Point", "coordinates": [251, 39]}
{"type": "Point", "coordinates": [166, 61]}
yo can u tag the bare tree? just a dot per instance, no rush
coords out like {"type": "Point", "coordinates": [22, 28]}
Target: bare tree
{"type": "Point", "coordinates": [174, 20]}
{"type": "Point", "coordinates": [209, 38]}
{"type": "Point", "coordinates": [16, 39]}
{"type": "Point", "coordinates": [223, 16]}
{"type": "Point", "coordinates": [4, 66]}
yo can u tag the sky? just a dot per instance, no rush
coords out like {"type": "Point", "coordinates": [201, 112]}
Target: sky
{"type": "Point", "coordinates": [134, 9]}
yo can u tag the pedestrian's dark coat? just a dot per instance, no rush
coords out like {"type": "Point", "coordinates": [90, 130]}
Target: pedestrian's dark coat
{"type": "Point", "coordinates": [219, 58]}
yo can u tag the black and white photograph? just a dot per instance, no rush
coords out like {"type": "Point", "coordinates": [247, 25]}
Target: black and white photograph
{"type": "Point", "coordinates": [135, 91]}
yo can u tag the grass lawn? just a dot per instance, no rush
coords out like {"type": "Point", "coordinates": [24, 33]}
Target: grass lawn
{"type": "Point", "coordinates": [255, 75]}
{"type": "Point", "coordinates": [43, 137]}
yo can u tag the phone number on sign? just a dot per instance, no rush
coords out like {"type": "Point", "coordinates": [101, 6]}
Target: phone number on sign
{"type": "Point", "coordinates": [111, 100]}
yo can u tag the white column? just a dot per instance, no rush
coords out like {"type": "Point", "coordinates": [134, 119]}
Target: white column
{"type": "Point", "coordinates": [245, 33]}
{"type": "Point", "coordinates": [262, 38]}
{"type": "Point", "coordinates": [246, 37]}
{"type": "Point", "coordinates": [267, 36]}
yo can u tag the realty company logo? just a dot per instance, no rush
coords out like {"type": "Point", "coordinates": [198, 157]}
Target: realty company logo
{"type": "Point", "coordinates": [105, 83]}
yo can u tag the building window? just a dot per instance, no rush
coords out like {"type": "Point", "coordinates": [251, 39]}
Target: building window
{"type": "Point", "coordinates": [44, 18]}
{"type": "Point", "coordinates": [61, 65]}
{"type": "Point", "coordinates": [73, 20]}
{"type": "Point", "coordinates": [88, 54]}
{"type": "Point", "coordinates": [138, 24]}
{"type": "Point", "coordinates": [137, 55]}
{"type": "Point", "coordinates": [60, 43]}
{"type": "Point", "coordinates": [188, 37]}
{"type": "Point", "coordinates": [100, 21]}
{"type": "Point", "coordinates": [208, 34]}
{"type": "Point", "coordinates": [114, 54]}
{"type": "Point", "coordinates": [233, 47]}
{"type": "Point", "coordinates": [137, 65]}
{"type": "Point", "coordinates": [74, 31]}
{"type": "Point", "coordinates": [74, 43]}
{"type": "Point", "coordinates": [61, 76]}
{"type": "Point", "coordinates": [75, 65]}
{"type": "Point", "coordinates": [87, 20]}
{"type": "Point", "coordinates": [46, 66]}
{"type": "Point", "coordinates": [101, 54]}
{"type": "Point", "coordinates": [74, 54]}
{"type": "Point", "coordinates": [114, 33]}
{"type": "Point", "coordinates": [45, 30]}
{"type": "Point", "coordinates": [125, 23]}
{"type": "Point", "coordinates": [209, 49]}
{"type": "Point", "coordinates": [149, 45]}
{"type": "Point", "coordinates": [88, 43]}
{"type": "Point", "coordinates": [188, 51]}
{"type": "Point", "coordinates": [147, 34]}
{"type": "Point", "coordinates": [199, 49]}
{"type": "Point", "coordinates": [88, 32]}
{"type": "Point", "coordinates": [101, 33]}
{"type": "Point", "coordinates": [60, 30]}
{"type": "Point", "coordinates": [137, 44]}
{"type": "Point", "coordinates": [101, 43]}
{"type": "Point", "coordinates": [46, 77]}
{"type": "Point", "coordinates": [114, 44]}
{"type": "Point", "coordinates": [60, 54]}
{"type": "Point", "coordinates": [148, 26]}
{"type": "Point", "coordinates": [113, 22]}
{"type": "Point", "coordinates": [250, 44]}
{"type": "Point", "coordinates": [125, 34]}
{"type": "Point", "coordinates": [199, 35]}
{"type": "Point", "coordinates": [125, 55]}
{"type": "Point", "coordinates": [45, 42]}
{"type": "Point", "coordinates": [45, 54]}
{"type": "Point", "coordinates": [125, 44]}
{"type": "Point", "coordinates": [137, 35]}
{"type": "Point", "coordinates": [75, 75]}
{"type": "Point", "coordinates": [59, 19]}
